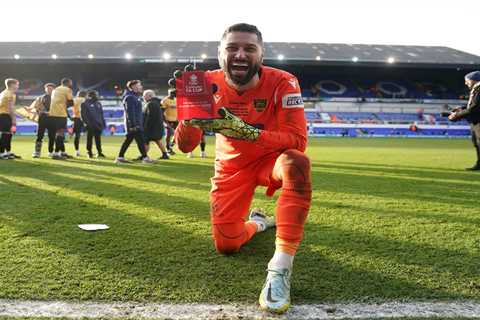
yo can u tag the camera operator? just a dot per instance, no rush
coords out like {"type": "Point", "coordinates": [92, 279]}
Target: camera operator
{"type": "Point", "coordinates": [471, 113]}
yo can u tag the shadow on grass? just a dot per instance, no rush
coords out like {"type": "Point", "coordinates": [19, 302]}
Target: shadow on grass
{"type": "Point", "coordinates": [147, 259]}
{"type": "Point", "coordinates": [388, 187]}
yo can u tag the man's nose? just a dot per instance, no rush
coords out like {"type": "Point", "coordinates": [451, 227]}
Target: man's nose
{"type": "Point", "coordinates": [240, 54]}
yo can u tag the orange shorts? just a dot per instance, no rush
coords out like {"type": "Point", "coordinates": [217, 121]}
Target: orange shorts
{"type": "Point", "coordinates": [232, 193]}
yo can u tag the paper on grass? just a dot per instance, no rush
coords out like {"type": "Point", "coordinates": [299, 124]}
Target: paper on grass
{"type": "Point", "coordinates": [93, 227]}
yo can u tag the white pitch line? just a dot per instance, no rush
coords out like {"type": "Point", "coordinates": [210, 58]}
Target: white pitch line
{"type": "Point", "coordinates": [19, 308]}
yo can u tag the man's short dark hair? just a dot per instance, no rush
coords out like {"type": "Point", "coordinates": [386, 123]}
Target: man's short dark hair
{"type": "Point", "coordinates": [244, 27]}
{"type": "Point", "coordinates": [65, 81]}
{"type": "Point", "coordinates": [131, 83]}
{"type": "Point", "coordinates": [49, 85]}
{"type": "Point", "coordinates": [82, 93]}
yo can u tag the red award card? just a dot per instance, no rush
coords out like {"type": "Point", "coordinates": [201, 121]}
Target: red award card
{"type": "Point", "coordinates": [194, 96]}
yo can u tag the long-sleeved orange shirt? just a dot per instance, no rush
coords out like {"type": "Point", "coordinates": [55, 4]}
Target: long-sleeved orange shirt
{"type": "Point", "coordinates": [275, 106]}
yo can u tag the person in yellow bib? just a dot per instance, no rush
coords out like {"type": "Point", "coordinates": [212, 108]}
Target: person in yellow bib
{"type": "Point", "coordinates": [169, 106]}
{"type": "Point", "coordinates": [62, 98]}
{"type": "Point", "coordinates": [77, 120]}
{"type": "Point", "coordinates": [7, 118]}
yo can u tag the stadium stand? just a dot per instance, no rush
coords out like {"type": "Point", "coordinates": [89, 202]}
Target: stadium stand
{"type": "Point", "coordinates": [349, 89]}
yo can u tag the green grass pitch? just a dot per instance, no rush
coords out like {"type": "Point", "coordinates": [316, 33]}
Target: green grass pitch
{"type": "Point", "coordinates": [391, 219]}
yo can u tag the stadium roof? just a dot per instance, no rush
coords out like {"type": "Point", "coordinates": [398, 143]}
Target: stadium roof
{"type": "Point", "coordinates": [158, 51]}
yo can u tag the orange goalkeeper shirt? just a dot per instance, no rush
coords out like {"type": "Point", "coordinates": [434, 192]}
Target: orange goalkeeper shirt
{"type": "Point", "coordinates": [274, 105]}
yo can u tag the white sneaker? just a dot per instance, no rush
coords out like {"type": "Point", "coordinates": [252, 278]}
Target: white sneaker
{"type": "Point", "coordinates": [190, 155]}
{"type": "Point", "coordinates": [77, 153]}
{"type": "Point", "coordinates": [148, 160]}
{"type": "Point", "coordinates": [36, 155]}
{"type": "Point", "coordinates": [203, 154]}
{"type": "Point", "coordinates": [275, 295]}
{"type": "Point", "coordinates": [263, 221]}
{"type": "Point", "coordinates": [50, 154]}
{"type": "Point", "coordinates": [120, 160]}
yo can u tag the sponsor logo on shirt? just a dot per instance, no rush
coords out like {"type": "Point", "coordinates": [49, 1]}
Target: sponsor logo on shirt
{"type": "Point", "coordinates": [292, 100]}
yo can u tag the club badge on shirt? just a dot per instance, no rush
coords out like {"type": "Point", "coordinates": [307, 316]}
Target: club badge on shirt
{"type": "Point", "coordinates": [260, 104]}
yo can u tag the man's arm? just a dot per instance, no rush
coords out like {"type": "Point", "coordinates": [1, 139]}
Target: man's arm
{"type": "Point", "coordinates": [35, 105]}
{"type": "Point", "coordinates": [473, 106]}
{"type": "Point", "coordinates": [83, 113]}
{"type": "Point", "coordinates": [70, 98]}
{"type": "Point", "coordinates": [292, 126]}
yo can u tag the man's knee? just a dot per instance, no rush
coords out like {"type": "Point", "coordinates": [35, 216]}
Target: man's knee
{"type": "Point", "coordinates": [295, 165]}
{"type": "Point", "coordinates": [228, 238]}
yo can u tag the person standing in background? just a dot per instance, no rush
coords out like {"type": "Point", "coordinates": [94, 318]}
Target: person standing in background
{"type": "Point", "coordinates": [41, 105]}
{"type": "Point", "coordinates": [169, 105]}
{"type": "Point", "coordinates": [471, 113]}
{"type": "Point", "coordinates": [8, 119]}
{"type": "Point", "coordinates": [132, 104]}
{"type": "Point", "coordinates": [154, 122]}
{"type": "Point", "coordinates": [77, 121]}
{"type": "Point", "coordinates": [94, 120]}
{"type": "Point", "coordinates": [62, 98]}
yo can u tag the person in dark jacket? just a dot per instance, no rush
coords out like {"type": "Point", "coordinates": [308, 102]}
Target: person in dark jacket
{"type": "Point", "coordinates": [153, 122]}
{"type": "Point", "coordinates": [132, 105]}
{"type": "Point", "coordinates": [471, 113]}
{"type": "Point", "coordinates": [41, 105]}
{"type": "Point", "coordinates": [92, 116]}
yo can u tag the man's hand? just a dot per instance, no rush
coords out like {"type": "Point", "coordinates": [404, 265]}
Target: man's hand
{"type": "Point", "coordinates": [453, 116]}
{"type": "Point", "coordinates": [134, 129]}
{"type": "Point", "coordinates": [229, 125]}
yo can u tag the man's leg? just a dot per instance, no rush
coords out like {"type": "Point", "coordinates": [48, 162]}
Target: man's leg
{"type": "Point", "coordinates": [140, 140]}
{"type": "Point", "coordinates": [77, 130]}
{"type": "Point", "coordinates": [42, 126]}
{"type": "Point", "coordinates": [230, 201]}
{"type": "Point", "coordinates": [203, 144]}
{"type": "Point", "coordinates": [59, 141]}
{"type": "Point", "coordinates": [98, 142]}
{"type": "Point", "coordinates": [6, 128]}
{"type": "Point", "coordinates": [125, 145]}
{"type": "Point", "coordinates": [89, 141]}
{"type": "Point", "coordinates": [475, 129]}
{"type": "Point", "coordinates": [170, 131]}
{"type": "Point", "coordinates": [292, 172]}
{"type": "Point", "coordinates": [292, 168]}
{"type": "Point", "coordinates": [51, 134]}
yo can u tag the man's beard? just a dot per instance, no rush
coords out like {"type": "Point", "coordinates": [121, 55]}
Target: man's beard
{"type": "Point", "coordinates": [242, 80]}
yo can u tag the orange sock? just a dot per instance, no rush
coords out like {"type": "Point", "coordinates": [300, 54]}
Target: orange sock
{"type": "Point", "coordinates": [294, 201]}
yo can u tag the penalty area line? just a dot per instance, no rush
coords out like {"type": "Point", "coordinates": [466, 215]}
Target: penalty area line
{"type": "Point", "coordinates": [133, 310]}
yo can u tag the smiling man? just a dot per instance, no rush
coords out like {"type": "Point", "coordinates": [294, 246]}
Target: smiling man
{"type": "Point", "coordinates": [260, 141]}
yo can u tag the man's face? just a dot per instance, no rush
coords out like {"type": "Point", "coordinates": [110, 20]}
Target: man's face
{"type": "Point", "coordinates": [240, 55]}
{"type": "Point", "coordinates": [137, 88]}
{"type": "Point", "coordinates": [15, 86]}
{"type": "Point", "coordinates": [49, 90]}
{"type": "Point", "coordinates": [470, 83]}
{"type": "Point", "coordinates": [147, 96]}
